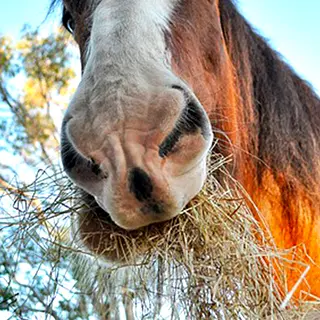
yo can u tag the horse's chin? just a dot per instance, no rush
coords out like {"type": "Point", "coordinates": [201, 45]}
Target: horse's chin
{"type": "Point", "coordinates": [101, 236]}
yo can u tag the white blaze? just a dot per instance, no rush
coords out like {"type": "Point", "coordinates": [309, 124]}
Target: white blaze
{"type": "Point", "coordinates": [127, 39]}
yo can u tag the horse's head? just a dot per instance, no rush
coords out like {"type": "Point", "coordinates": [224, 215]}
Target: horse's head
{"type": "Point", "coordinates": [135, 135]}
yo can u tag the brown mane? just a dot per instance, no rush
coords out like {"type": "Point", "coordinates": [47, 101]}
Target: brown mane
{"type": "Point", "coordinates": [285, 108]}
{"type": "Point", "coordinates": [286, 142]}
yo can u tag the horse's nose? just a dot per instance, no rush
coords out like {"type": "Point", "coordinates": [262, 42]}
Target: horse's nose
{"type": "Point", "coordinates": [152, 161]}
{"type": "Point", "coordinates": [157, 172]}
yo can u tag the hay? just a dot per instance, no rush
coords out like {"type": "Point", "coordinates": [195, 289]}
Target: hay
{"type": "Point", "coordinates": [210, 262]}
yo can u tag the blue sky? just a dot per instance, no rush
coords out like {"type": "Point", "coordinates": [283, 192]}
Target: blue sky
{"type": "Point", "coordinates": [292, 27]}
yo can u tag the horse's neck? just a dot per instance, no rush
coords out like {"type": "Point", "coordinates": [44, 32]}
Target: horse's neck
{"type": "Point", "coordinates": [281, 144]}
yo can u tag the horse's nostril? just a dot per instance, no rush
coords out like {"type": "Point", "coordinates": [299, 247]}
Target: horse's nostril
{"type": "Point", "coordinates": [191, 120]}
{"type": "Point", "coordinates": [177, 87]}
{"type": "Point", "coordinates": [95, 168]}
{"type": "Point", "coordinates": [167, 146]}
{"type": "Point", "coordinates": [70, 157]}
{"type": "Point", "coordinates": [140, 184]}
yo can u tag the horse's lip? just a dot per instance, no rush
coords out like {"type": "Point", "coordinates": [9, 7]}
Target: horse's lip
{"type": "Point", "coordinates": [193, 167]}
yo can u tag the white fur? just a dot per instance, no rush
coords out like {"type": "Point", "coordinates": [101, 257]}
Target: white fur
{"type": "Point", "coordinates": [130, 33]}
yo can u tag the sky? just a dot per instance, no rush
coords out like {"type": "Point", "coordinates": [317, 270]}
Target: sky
{"type": "Point", "coordinates": [293, 29]}
{"type": "Point", "coordinates": [291, 26]}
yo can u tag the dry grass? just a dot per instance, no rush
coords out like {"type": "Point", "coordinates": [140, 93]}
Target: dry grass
{"type": "Point", "coordinates": [211, 262]}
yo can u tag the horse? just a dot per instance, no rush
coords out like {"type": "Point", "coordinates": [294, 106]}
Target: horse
{"type": "Point", "coordinates": [160, 81]}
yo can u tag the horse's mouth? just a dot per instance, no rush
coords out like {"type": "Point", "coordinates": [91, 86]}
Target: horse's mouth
{"type": "Point", "coordinates": [90, 205]}
{"type": "Point", "coordinates": [105, 239]}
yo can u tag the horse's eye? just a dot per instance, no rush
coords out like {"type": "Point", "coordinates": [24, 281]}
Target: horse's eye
{"type": "Point", "coordinates": [68, 21]}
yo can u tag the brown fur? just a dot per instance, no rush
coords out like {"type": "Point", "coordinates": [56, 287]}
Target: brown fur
{"type": "Point", "coordinates": [263, 114]}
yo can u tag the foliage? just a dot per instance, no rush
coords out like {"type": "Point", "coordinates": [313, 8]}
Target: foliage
{"type": "Point", "coordinates": [34, 73]}
{"type": "Point", "coordinates": [37, 279]}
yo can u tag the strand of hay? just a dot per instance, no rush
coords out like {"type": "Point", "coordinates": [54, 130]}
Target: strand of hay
{"type": "Point", "coordinates": [210, 262]}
